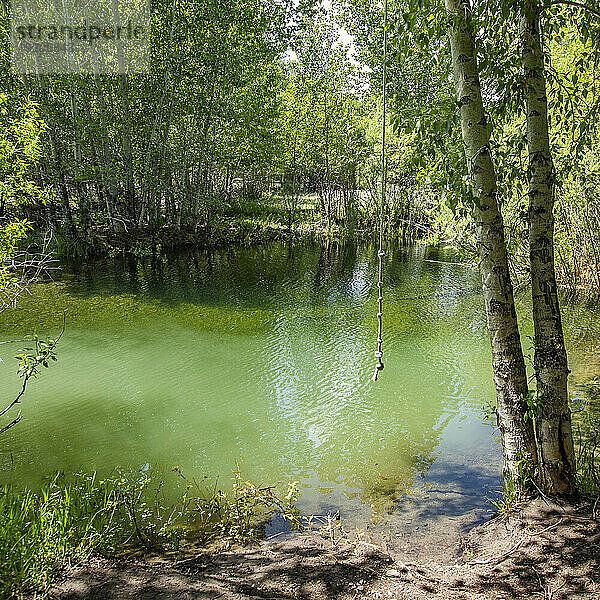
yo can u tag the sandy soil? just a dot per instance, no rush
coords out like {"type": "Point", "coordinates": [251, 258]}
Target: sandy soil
{"type": "Point", "coordinates": [543, 550]}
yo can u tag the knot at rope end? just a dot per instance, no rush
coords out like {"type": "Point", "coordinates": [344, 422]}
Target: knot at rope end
{"type": "Point", "coordinates": [378, 367]}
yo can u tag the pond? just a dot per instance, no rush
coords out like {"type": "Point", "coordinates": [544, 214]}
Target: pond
{"type": "Point", "coordinates": [262, 358]}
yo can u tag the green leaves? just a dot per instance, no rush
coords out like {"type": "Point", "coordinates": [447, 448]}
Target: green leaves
{"type": "Point", "coordinates": [533, 406]}
{"type": "Point", "coordinates": [31, 359]}
{"type": "Point", "coordinates": [20, 148]}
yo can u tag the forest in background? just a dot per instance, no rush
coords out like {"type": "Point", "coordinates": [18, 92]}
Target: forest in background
{"type": "Point", "coordinates": [256, 120]}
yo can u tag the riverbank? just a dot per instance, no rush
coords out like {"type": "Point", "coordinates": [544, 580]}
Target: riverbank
{"type": "Point", "coordinates": [542, 549]}
{"type": "Point", "coordinates": [235, 232]}
{"type": "Point", "coordinates": [227, 231]}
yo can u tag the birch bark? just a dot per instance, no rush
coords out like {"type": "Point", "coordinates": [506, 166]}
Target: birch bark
{"type": "Point", "coordinates": [518, 438]}
{"type": "Point", "coordinates": [556, 459]}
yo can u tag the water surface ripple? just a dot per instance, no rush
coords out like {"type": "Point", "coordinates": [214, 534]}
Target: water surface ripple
{"type": "Point", "coordinates": [263, 357]}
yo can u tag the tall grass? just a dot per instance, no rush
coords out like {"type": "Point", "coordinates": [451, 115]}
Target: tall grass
{"type": "Point", "coordinates": [39, 532]}
{"type": "Point", "coordinates": [72, 517]}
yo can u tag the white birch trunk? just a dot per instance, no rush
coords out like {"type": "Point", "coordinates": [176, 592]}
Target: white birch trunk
{"type": "Point", "coordinates": [556, 459]}
{"type": "Point", "coordinates": [518, 438]}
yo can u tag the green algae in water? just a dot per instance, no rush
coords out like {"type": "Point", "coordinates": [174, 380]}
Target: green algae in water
{"type": "Point", "coordinates": [109, 312]}
{"type": "Point", "coordinates": [262, 358]}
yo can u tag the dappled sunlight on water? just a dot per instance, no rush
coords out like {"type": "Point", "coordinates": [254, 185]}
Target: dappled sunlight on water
{"type": "Point", "coordinates": [263, 357]}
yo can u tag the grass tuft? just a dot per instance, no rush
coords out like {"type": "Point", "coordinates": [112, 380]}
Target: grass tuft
{"type": "Point", "coordinates": [74, 516]}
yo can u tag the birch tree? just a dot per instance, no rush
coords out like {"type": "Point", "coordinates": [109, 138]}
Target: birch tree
{"type": "Point", "coordinates": [490, 71]}
{"type": "Point", "coordinates": [507, 356]}
{"type": "Point", "coordinates": [553, 416]}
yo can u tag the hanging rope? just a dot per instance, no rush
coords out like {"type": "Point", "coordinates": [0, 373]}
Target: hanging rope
{"type": "Point", "coordinates": [381, 252]}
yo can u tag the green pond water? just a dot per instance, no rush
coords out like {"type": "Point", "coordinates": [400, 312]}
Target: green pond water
{"type": "Point", "coordinates": [263, 358]}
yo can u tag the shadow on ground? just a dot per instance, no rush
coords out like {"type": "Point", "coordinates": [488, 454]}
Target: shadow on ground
{"type": "Point", "coordinates": [270, 571]}
{"type": "Point", "coordinates": [554, 551]}
{"type": "Point", "coordinates": [543, 550]}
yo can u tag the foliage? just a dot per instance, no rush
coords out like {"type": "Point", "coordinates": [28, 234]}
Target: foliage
{"type": "Point", "coordinates": [20, 150]}
{"type": "Point", "coordinates": [71, 517]}
{"type": "Point", "coordinates": [30, 359]}
{"type": "Point", "coordinates": [587, 477]}
{"type": "Point", "coordinates": [10, 235]}
{"type": "Point", "coordinates": [240, 515]}
{"type": "Point", "coordinates": [257, 100]}
{"type": "Point", "coordinates": [61, 524]}
{"type": "Point", "coordinates": [423, 106]}
{"type": "Point", "coordinates": [260, 104]}
{"type": "Point", "coordinates": [513, 493]}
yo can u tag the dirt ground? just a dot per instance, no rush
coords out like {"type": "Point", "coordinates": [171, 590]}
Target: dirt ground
{"type": "Point", "coordinates": [543, 550]}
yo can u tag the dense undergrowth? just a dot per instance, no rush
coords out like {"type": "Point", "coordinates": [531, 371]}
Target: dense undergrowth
{"type": "Point", "coordinates": [72, 517]}
{"type": "Point", "coordinates": [422, 220]}
{"type": "Point", "coordinates": [248, 222]}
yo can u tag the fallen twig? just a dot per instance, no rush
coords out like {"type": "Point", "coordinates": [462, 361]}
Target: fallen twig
{"type": "Point", "coordinates": [526, 534]}
{"type": "Point", "coordinates": [497, 559]}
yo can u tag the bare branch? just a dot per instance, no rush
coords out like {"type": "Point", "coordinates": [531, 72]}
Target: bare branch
{"type": "Point", "coordinates": [30, 267]}
{"type": "Point", "coordinates": [19, 396]}
{"type": "Point", "coordinates": [12, 423]}
{"type": "Point", "coordinates": [25, 339]}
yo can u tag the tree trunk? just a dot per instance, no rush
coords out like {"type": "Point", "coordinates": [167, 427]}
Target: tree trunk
{"type": "Point", "coordinates": [123, 80]}
{"type": "Point", "coordinates": [109, 184]}
{"type": "Point", "coordinates": [127, 146]}
{"type": "Point", "coordinates": [85, 221]}
{"type": "Point", "coordinates": [556, 457]}
{"type": "Point", "coordinates": [510, 377]}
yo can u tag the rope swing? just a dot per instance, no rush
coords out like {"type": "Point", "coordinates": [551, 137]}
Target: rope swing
{"type": "Point", "coordinates": [381, 253]}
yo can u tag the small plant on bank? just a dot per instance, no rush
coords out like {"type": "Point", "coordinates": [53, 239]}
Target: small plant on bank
{"type": "Point", "coordinates": [512, 493]}
{"type": "Point", "coordinates": [240, 516]}
{"type": "Point", "coordinates": [72, 517]}
{"type": "Point", "coordinates": [508, 498]}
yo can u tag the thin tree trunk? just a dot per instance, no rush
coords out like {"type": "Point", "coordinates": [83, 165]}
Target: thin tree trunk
{"type": "Point", "coordinates": [327, 187]}
{"type": "Point", "coordinates": [127, 151]}
{"type": "Point", "coordinates": [43, 94]}
{"type": "Point", "coordinates": [123, 79]}
{"type": "Point", "coordinates": [85, 222]}
{"type": "Point", "coordinates": [101, 188]}
{"type": "Point", "coordinates": [518, 438]}
{"type": "Point", "coordinates": [553, 417]}
{"type": "Point", "coordinates": [146, 184]}
{"type": "Point", "coordinates": [61, 182]}
{"type": "Point", "coordinates": [108, 167]}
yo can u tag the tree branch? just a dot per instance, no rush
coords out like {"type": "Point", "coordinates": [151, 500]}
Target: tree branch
{"type": "Point", "coordinates": [30, 267]}
{"type": "Point", "coordinates": [575, 4]}
{"type": "Point", "coordinates": [25, 339]}
{"type": "Point", "coordinates": [18, 398]}
{"type": "Point", "coordinates": [26, 378]}
{"type": "Point", "coordinates": [13, 422]}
